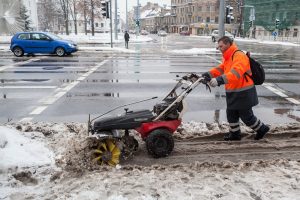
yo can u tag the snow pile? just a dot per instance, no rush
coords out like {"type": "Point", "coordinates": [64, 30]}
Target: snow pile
{"type": "Point", "coordinates": [194, 129]}
{"type": "Point", "coordinates": [18, 151]}
{"type": "Point", "coordinates": [73, 176]}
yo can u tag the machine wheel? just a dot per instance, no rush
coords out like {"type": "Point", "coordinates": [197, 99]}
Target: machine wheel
{"type": "Point", "coordinates": [107, 152]}
{"type": "Point", "coordinates": [18, 51]}
{"type": "Point", "coordinates": [60, 51]}
{"type": "Point", "coordinates": [160, 143]}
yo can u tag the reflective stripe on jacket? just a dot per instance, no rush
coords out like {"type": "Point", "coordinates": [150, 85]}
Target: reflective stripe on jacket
{"type": "Point", "coordinates": [240, 92]}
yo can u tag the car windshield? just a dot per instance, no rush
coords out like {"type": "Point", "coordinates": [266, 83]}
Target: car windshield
{"type": "Point", "coordinates": [55, 37]}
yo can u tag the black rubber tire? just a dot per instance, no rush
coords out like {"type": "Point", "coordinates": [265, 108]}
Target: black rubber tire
{"type": "Point", "coordinates": [160, 143]}
{"type": "Point", "coordinates": [18, 51]}
{"type": "Point", "coordinates": [60, 51]}
{"type": "Point", "coordinates": [213, 39]}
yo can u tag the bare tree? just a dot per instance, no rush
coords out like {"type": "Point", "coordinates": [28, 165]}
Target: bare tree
{"type": "Point", "coordinates": [48, 15]}
{"type": "Point", "coordinates": [65, 9]}
{"type": "Point", "coordinates": [83, 8]}
{"type": "Point", "coordinates": [90, 10]}
{"type": "Point", "coordinates": [73, 7]}
{"type": "Point", "coordinates": [92, 17]}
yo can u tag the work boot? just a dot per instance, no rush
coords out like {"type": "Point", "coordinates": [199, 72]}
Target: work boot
{"type": "Point", "coordinates": [233, 136]}
{"type": "Point", "coordinates": [262, 131]}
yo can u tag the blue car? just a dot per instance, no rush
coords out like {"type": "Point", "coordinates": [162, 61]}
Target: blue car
{"type": "Point", "coordinates": [40, 42]}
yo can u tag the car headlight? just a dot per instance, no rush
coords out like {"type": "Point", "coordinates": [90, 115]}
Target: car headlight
{"type": "Point", "coordinates": [70, 45]}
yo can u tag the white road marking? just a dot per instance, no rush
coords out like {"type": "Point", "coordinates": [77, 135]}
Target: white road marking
{"type": "Point", "coordinates": [62, 91]}
{"type": "Point", "coordinates": [213, 59]}
{"type": "Point", "coordinates": [28, 87]}
{"type": "Point", "coordinates": [26, 119]}
{"type": "Point", "coordinates": [38, 110]}
{"type": "Point", "coordinates": [294, 101]}
{"type": "Point", "coordinates": [16, 64]}
{"type": "Point", "coordinates": [270, 87]}
{"type": "Point", "coordinates": [274, 90]}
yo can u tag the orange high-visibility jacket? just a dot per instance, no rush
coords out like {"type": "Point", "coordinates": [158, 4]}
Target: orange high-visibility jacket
{"type": "Point", "coordinates": [240, 91]}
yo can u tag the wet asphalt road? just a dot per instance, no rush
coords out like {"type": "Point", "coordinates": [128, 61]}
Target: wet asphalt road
{"type": "Point", "coordinates": [49, 88]}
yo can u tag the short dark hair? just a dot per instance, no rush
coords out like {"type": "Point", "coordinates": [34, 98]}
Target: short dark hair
{"type": "Point", "coordinates": [225, 40]}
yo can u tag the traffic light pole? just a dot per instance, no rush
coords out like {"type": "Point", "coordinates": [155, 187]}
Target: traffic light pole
{"type": "Point", "coordinates": [111, 37]}
{"type": "Point", "coordinates": [126, 15]}
{"type": "Point", "coordinates": [221, 19]}
{"type": "Point", "coordinates": [116, 20]}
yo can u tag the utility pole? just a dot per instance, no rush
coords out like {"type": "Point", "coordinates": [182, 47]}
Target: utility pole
{"type": "Point", "coordinates": [116, 20]}
{"type": "Point", "coordinates": [111, 39]}
{"type": "Point", "coordinates": [126, 16]}
{"type": "Point", "coordinates": [221, 19]}
{"type": "Point", "coordinates": [92, 18]}
{"type": "Point", "coordinates": [137, 18]}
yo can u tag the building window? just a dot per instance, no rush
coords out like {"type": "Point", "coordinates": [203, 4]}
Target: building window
{"type": "Point", "coordinates": [102, 25]}
{"type": "Point", "coordinates": [96, 24]}
{"type": "Point", "coordinates": [287, 32]}
{"type": "Point", "coordinates": [200, 8]}
{"type": "Point", "coordinates": [207, 19]}
{"type": "Point", "coordinates": [295, 34]}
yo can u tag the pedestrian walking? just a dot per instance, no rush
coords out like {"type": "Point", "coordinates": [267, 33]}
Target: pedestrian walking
{"type": "Point", "coordinates": [126, 37]}
{"type": "Point", "coordinates": [240, 90]}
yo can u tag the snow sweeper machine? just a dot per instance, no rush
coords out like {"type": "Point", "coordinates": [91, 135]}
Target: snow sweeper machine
{"type": "Point", "coordinates": [155, 127]}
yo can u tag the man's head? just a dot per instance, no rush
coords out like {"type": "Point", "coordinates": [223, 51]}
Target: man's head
{"type": "Point", "coordinates": [224, 43]}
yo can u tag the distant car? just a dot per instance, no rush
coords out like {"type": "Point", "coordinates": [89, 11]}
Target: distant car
{"type": "Point", "coordinates": [162, 33]}
{"type": "Point", "coordinates": [40, 42]}
{"type": "Point", "coordinates": [215, 35]}
{"type": "Point", "coordinates": [185, 33]}
{"type": "Point", "coordinates": [144, 32]}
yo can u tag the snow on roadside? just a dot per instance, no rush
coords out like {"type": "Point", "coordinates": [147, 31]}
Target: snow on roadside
{"type": "Point", "coordinates": [18, 151]}
{"type": "Point", "coordinates": [34, 147]}
{"type": "Point", "coordinates": [101, 38]}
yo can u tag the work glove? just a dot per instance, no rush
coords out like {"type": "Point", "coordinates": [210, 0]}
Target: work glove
{"type": "Point", "coordinates": [216, 81]}
{"type": "Point", "coordinates": [213, 82]}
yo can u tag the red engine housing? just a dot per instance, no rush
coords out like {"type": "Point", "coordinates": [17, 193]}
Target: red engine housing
{"type": "Point", "coordinates": [146, 128]}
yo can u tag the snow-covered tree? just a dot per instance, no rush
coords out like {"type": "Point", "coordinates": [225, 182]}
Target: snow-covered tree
{"type": "Point", "coordinates": [25, 17]}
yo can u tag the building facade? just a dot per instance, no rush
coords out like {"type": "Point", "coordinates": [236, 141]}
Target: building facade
{"type": "Point", "coordinates": [201, 17]}
{"type": "Point", "coordinates": [277, 19]}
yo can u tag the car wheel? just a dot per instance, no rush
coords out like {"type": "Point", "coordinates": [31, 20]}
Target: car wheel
{"type": "Point", "coordinates": [213, 39]}
{"type": "Point", "coordinates": [160, 143]}
{"type": "Point", "coordinates": [60, 51]}
{"type": "Point", "coordinates": [18, 51]}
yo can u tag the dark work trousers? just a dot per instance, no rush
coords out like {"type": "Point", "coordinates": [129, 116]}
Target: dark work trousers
{"type": "Point", "coordinates": [246, 116]}
{"type": "Point", "coordinates": [126, 44]}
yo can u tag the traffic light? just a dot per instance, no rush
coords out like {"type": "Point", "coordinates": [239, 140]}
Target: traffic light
{"type": "Point", "coordinates": [228, 14]}
{"type": "Point", "coordinates": [250, 23]}
{"type": "Point", "coordinates": [104, 9]}
{"type": "Point", "coordinates": [277, 21]}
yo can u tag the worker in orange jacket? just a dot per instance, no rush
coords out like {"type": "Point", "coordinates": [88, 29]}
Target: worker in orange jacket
{"type": "Point", "coordinates": [240, 90]}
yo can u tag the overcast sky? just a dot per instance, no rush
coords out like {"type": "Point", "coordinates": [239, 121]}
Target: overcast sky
{"type": "Point", "coordinates": [131, 3]}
